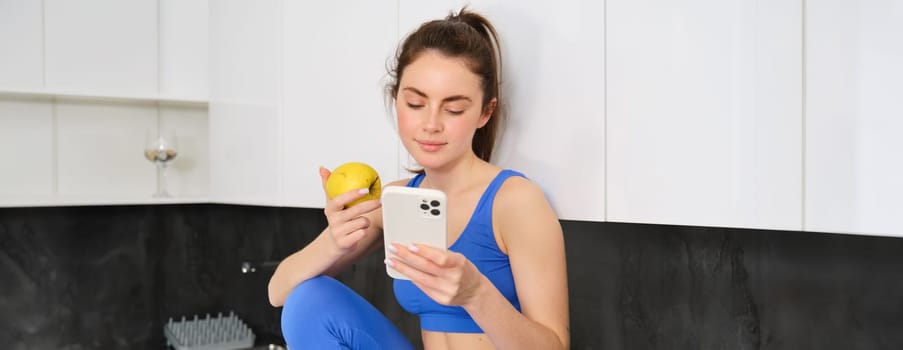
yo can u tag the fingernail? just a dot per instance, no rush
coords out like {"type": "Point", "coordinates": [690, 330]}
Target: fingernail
{"type": "Point", "coordinates": [392, 248]}
{"type": "Point", "coordinates": [363, 191]}
{"type": "Point", "coordinates": [390, 263]}
{"type": "Point", "coordinates": [413, 248]}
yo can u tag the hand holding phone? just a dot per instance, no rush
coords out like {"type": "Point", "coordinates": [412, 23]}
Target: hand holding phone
{"type": "Point", "coordinates": [413, 215]}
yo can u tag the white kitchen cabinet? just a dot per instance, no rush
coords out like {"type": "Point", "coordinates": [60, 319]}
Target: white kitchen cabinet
{"type": "Point", "coordinates": [704, 106]}
{"type": "Point", "coordinates": [21, 33]}
{"type": "Point", "coordinates": [183, 48]}
{"type": "Point", "coordinates": [26, 134]}
{"type": "Point", "coordinates": [245, 68]}
{"type": "Point", "coordinates": [854, 118]}
{"type": "Point", "coordinates": [81, 83]}
{"type": "Point", "coordinates": [554, 88]}
{"type": "Point", "coordinates": [101, 45]}
{"type": "Point", "coordinates": [295, 86]}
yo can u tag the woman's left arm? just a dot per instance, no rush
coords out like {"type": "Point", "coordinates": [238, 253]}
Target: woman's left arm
{"type": "Point", "coordinates": [532, 234]}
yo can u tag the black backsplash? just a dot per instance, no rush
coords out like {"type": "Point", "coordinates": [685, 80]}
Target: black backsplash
{"type": "Point", "coordinates": [109, 277]}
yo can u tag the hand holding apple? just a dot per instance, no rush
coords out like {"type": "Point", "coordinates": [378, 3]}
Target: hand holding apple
{"type": "Point", "coordinates": [353, 176]}
{"type": "Point", "coordinates": [347, 220]}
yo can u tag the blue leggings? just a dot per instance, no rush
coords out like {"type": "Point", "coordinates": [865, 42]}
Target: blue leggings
{"type": "Point", "coordinates": [322, 313]}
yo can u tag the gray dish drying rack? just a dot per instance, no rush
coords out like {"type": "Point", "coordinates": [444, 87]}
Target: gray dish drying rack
{"type": "Point", "coordinates": [209, 333]}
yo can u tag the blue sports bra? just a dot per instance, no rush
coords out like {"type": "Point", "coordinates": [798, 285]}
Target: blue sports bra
{"type": "Point", "coordinates": [477, 243]}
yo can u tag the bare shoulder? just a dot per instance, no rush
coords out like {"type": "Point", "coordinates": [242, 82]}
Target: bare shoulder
{"type": "Point", "coordinates": [522, 210]}
{"type": "Point", "coordinates": [518, 191]}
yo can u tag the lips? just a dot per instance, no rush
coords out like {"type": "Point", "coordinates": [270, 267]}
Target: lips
{"type": "Point", "coordinates": [430, 146]}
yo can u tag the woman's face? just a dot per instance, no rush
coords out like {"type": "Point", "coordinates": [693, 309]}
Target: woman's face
{"type": "Point", "coordinates": [439, 106]}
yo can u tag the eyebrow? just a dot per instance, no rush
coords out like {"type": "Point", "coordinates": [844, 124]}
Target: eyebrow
{"type": "Point", "coordinates": [447, 99]}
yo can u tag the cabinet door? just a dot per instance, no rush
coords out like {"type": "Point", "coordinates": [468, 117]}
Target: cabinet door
{"type": "Point", "coordinates": [704, 108]}
{"type": "Point", "coordinates": [334, 108]}
{"type": "Point", "coordinates": [245, 69]}
{"type": "Point", "coordinates": [183, 48]}
{"type": "Point", "coordinates": [101, 45]}
{"type": "Point", "coordinates": [553, 86]}
{"type": "Point", "coordinates": [21, 37]}
{"type": "Point", "coordinates": [25, 124]}
{"type": "Point", "coordinates": [854, 118]}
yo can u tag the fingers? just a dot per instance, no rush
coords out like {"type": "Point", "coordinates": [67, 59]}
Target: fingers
{"type": "Point", "coordinates": [324, 175]}
{"type": "Point", "coordinates": [423, 280]}
{"type": "Point", "coordinates": [442, 283]}
{"type": "Point", "coordinates": [351, 227]}
{"type": "Point", "coordinates": [436, 256]}
{"type": "Point", "coordinates": [425, 258]}
{"type": "Point", "coordinates": [336, 210]}
{"type": "Point", "coordinates": [350, 240]}
{"type": "Point", "coordinates": [347, 234]}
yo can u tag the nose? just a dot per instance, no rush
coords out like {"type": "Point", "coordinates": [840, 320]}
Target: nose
{"type": "Point", "coordinates": [432, 123]}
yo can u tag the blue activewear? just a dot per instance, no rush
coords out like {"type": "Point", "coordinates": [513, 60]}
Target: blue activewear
{"type": "Point", "coordinates": [477, 243]}
{"type": "Point", "coordinates": [322, 313]}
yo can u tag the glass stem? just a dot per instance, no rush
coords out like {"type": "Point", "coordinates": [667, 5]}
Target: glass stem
{"type": "Point", "coordinates": [161, 180]}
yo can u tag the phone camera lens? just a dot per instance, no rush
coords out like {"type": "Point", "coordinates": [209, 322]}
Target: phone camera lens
{"type": "Point", "coordinates": [424, 206]}
{"type": "Point", "coordinates": [435, 212]}
{"type": "Point", "coordinates": [434, 203]}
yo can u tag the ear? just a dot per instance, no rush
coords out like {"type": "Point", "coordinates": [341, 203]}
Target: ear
{"type": "Point", "coordinates": [487, 112]}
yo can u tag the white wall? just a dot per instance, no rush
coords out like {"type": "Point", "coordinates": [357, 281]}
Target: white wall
{"type": "Point", "coordinates": [333, 103]}
{"type": "Point", "coordinates": [555, 131]}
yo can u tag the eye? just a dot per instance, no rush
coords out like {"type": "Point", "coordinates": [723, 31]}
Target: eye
{"type": "Point", "coordinates": [414, 106]}
{"type": "Point", "coordinates": [454, 112]}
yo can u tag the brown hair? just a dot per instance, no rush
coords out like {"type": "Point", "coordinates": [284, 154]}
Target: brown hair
{"type": "Point", "coordinates": [465, 35]}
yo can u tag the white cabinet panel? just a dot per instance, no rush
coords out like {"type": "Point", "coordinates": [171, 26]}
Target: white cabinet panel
{"type": "Point", "coordinates": [104, 68]}
{"type": "Point", "coordinates": [704, 108]}
{"type": "Point", "coordinates": [101, 45]}
{"type": "Point", "coordinates": [854, 118]}
{"type": "Point", "coordinates": [22, 43]}
{"type": "Point", "coordinates": [245, 76]}
{"type": "Point", "coordinates": [245, 154]}
{"type": "Point", "coordinates": [245, 41]}
{"type": "Point", "coordinates": [334, 105]}
{"type": "Point", "coordinates": [26, 134]}
{"type": "Point", "coordinates": [100, 149]}
{"type": "Point", "coordinates": [183, 32]}
{"type": "Point", "coordinates": [554, 88]}
{"type": "Point", "coordinates": [190, 171]}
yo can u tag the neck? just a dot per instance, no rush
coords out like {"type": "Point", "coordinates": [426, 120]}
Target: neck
{"type": "Point", "coordinates": [454, 177]}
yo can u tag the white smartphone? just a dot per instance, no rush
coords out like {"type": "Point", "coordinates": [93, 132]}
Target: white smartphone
{"type": "Point", "coordinates": [413, 215]}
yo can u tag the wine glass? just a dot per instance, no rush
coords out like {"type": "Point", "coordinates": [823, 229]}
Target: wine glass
{"type": "Point", "coordinates": [160, 148]}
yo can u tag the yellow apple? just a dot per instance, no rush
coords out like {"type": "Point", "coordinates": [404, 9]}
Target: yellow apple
{"type": "Point", "coordinates": [353, 176]}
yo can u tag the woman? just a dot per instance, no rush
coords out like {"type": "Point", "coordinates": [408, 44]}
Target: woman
{"type": "Point", "coordinates": [502, 284]}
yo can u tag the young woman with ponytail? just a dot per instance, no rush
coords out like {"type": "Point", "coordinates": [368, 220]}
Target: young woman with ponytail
{"type": "Point", "coordinates": [502, 283]}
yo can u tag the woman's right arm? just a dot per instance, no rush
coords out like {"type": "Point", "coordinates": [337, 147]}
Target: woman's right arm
{"type": "Point", "coordinates": [352, 233]}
